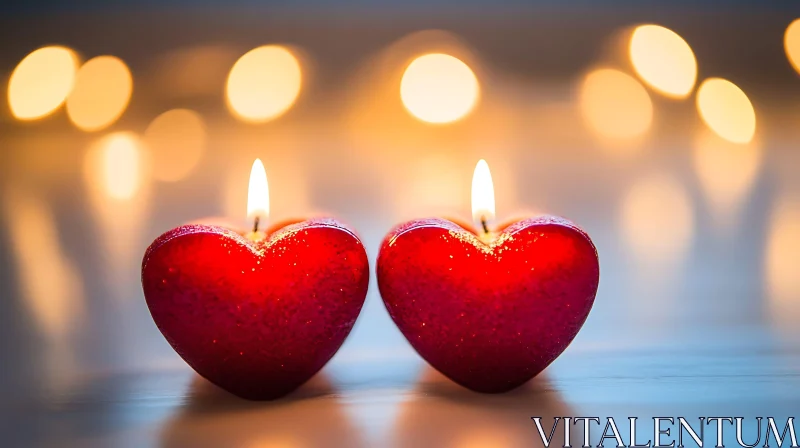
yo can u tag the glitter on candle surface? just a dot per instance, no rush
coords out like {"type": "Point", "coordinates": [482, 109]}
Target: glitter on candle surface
{"type": "Point", "coordinates": [256, 318]}
{"type": "Point", "coordinates": [489, 316]}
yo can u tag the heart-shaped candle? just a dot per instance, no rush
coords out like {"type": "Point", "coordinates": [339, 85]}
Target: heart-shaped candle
{"type": "Point", "coordinates": [257, 314]}
{"type": "Point", "coordinates": [489, 311]}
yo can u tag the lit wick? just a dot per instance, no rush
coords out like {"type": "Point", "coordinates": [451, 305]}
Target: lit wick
{"type": "Point", "coordinates": [258, 199]}
{"type": "Point", "coordinates": [483, 199]}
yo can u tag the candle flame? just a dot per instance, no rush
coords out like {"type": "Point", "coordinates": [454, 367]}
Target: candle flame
{"type": "Point", "coordinates": [258, 193]}
{"type": "Point", "coordinates": [482, 194]}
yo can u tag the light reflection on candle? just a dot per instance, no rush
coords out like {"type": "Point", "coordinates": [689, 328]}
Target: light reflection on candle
{"type": "Point", "coordinates": [263, 84]}
{"type": "Point", "coordinates": [781, 263]}
{"type": "Point", "coordinates": [663, 60]}
{"type": "Point", "coordinates": [102, 90]}
{"type": "Point", "coordinates": [41, 82]}
{"type": "Point", "coordinates": [439, 88]}
{"type": "Point", "coordinates": [726, 172]}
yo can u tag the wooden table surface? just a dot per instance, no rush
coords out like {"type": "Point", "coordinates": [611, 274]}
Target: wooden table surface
{"type": "Point", "coordinates": [399, 401]}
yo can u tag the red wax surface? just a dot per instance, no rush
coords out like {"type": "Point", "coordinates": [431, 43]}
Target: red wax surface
{"type": "Point", "coordinates": [490, 317]}
{"type": "Point", "coordinates": [256, 318]}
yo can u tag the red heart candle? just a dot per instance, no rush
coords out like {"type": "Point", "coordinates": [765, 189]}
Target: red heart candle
{"type": "Point", "coordinates": [256, 314]}
{"type": "Point", "coordinates": [489, 311]}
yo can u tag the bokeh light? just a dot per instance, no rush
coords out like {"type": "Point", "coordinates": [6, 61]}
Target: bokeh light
{"type": "Point", "coordinates": [782, 260]}
{"type": "Point", "coordinates": [439, 88]}
{"type": "Point", "coordinates": [41, 82]}
{"type": "Point", "coordinates": [55, 304]}
{"type": "Point", "coordinates": [663, 60]}
{"type": "Point", "coordinates": [657, 219]}
{"type": "Point", "coordinates": [191, 72]}
{"type": "Point", "coordinates": [274, 442]}
{"type": "Point", "coordinates": [433, 184]}
{"type": "Point", "coordinates": [117, 175]}
{"type": "Point", "coordinates": [486, 437]}
{"type": "Point", "coordinates": [726, 109]}
{"type": "Point", "coordinates": [115, 165]}
{"type": "Point", "coordinates": [615, 105]}
{"type": "Point", "coordinates": [176, 140]}
{"type": "Point", "coordinates": [726, 170]}
{"type": "Point", "coordinates": [264, 83]}
{"type": "Point", "coordinates": [101, 93]}
{"type": "Point", "coordinates": [791, 43]}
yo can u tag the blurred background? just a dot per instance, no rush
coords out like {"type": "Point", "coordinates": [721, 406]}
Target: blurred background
{"type": "Point", "coordinates": [668, 131]}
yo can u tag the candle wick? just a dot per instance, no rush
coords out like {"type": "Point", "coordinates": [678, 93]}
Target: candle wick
{"type": "Point", "coordinates": [255, 224]}
{"type": "Point", "coordinates": [484, 225]}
